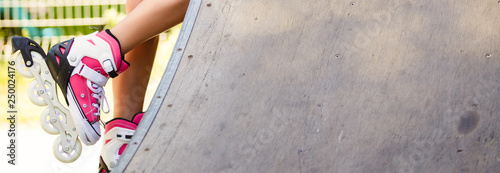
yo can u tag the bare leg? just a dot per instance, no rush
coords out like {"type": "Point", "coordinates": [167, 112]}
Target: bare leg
{"type": "Point", "coordinates": [129, 88]}
{"type": "Point", "coordinates": [148, 19]}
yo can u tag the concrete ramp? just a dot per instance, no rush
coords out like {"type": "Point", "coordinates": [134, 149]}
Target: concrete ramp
{"type": "Point", "coordinates": [328, 86]}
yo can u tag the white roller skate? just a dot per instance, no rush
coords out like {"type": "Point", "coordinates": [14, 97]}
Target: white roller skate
{"type": "Point", "coordinates": [117, 135]}
{"type": "Point", "coordinates": [81, 67]}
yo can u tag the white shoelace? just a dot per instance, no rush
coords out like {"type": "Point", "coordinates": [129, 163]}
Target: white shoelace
{"type": "Point", "coordinates": [98, 93]}
{"type": "Point", "coordinates": [95, 82]}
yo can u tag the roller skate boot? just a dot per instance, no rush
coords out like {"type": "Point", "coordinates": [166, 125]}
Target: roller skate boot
{"type": "Point", "coordinates": [81, 67]}
{"type": "Point", "coordinates": [118, 133]}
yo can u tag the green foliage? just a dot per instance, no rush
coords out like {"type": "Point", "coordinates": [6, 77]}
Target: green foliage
{"type": "Point", "coordinates": [113, 17]}
{"type": "Point", "coordinates": [3, 77]}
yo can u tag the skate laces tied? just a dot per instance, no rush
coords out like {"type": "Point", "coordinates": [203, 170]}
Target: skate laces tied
{"type": "Point", "coordinates": [100, 95]}
{"type": "Point", "coordinates": [95, 82]}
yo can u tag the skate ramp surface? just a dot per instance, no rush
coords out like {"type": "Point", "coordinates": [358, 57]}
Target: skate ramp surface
{"type": "Point", "coordinates": [328, 86]}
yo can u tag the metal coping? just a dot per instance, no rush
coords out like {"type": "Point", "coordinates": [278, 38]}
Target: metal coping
{"type": "Point", "coordinates": [161, 92]}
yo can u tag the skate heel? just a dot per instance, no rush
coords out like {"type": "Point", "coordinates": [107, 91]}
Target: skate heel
{"type": "Point", "coordinates": [42, 91]}
{"type": "Point", "coordinates": [118, 134]}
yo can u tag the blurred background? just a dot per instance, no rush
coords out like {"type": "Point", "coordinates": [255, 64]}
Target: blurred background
{"type": "Point", "coordinates": [49, 22]}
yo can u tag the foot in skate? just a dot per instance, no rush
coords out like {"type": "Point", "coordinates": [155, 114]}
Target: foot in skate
{"type": "Point", "coordinates": [81, 67]}
{"type": "Point", "coordinates": [118, 133]}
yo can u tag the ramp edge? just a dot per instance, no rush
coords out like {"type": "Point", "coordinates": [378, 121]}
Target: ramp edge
{"type": "Point", "coordinates": [163, 86]}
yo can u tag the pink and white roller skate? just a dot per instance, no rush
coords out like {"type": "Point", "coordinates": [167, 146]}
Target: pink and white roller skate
{"type": "Point", "coordinates": [80, 67]}
{"type": "Point", "coordinates": [117, 135]}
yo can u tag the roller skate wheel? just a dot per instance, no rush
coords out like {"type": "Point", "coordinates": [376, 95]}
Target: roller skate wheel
{"type": "Point", "coordinates": [35, 95]}
{"type": "Point", "coordinates": [66, 154]}
{"type": "Point", "coordinates": [23, 70]}
{"type": "Point", "coordinates": [48, 122]}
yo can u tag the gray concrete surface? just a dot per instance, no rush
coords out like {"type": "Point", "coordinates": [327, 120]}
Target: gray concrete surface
{"type": "Point", "coordinates": [332, 86]}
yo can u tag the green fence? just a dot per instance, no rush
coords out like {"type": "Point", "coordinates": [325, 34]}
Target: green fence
{"type": "Point", "coordinates": [52, 21]}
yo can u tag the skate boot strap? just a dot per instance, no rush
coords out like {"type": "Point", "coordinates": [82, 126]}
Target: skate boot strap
{"type": "Point", "coordinates": [91, 74]}
{"type": "Point", "coordinates": [108, 67]}
{"type": "Point", "coordinates": [95, 82]}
